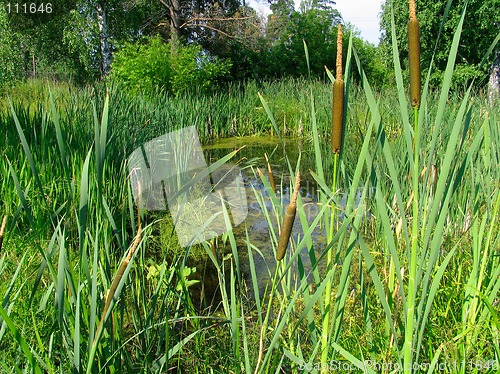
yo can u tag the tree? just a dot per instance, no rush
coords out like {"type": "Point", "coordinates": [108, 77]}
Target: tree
{"type": "Point", "coordinates": [194, 19]}
{"type": "Point", "coordinates": [38, 38]}
{"type": "Point", "coordinates": [480, 28]}
{"type": "Point", "coordinates": [73, 38]}
{"type": "Point", "coordinates": [10, 52]}
{"type": "Point", "coordinates": [242, 40]}
{"type": "Point", "coordinates": [96, 28]}
{"type": "Point", "coordinates": [287, 29]}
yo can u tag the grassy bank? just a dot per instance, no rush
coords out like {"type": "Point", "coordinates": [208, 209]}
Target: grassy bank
{"type": "Point", "coordinates": [88, 285]}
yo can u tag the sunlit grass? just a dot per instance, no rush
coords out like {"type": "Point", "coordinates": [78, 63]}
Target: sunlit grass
{"type": "Point", "coordinates": [71, 221]}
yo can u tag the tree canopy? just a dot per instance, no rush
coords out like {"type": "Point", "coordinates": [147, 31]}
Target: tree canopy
{"type": "Point", "coordinates": [481, 26]}
{"type": "Point", "coordinates": [79, 38]}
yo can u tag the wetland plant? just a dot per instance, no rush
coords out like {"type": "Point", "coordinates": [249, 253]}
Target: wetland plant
{"type": "Point", "coordinates": [416, 285]}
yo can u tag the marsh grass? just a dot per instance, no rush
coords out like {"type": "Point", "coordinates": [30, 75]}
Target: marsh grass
{"type": "Point", "coordinates": [72, 218]}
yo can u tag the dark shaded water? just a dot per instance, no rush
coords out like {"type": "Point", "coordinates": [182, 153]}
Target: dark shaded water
{"type": "Point", "coordinates": [260, 213]}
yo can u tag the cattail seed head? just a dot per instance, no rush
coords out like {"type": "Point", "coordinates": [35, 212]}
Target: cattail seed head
{"type": "Point", "coordinates": [414, 55]}
{"type": "Point", "coordinates": [270, 174]}
{"type": "Point", "coordinates": [338, 99]}
{"type": "Point", "coordinates": [337, 115]}
{"type": "Point", "coordinates": [286, 231]}
{"type": "Point", "coordinates": [286, 228]}
{"type": "Point", "coordinates": [2, 229]}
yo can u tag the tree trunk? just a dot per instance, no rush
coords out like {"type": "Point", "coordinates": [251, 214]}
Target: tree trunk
{"type": "Point", "coordinates": [175, 21]}
{"type": "Point", "coordinates": [494, 84]}
{"type": "Point", "coordinates": [103, 37]}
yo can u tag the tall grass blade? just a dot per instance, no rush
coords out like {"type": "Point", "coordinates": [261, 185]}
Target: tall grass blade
{"type": "Point", "coordinates": [429, 299]}
{"type": "Point", "coordinates": [358, 363]}
{"type": "Point", "coordinates": [22, 342]}
{"type": "Point", "coordinates": [447, 78]}
{"type": "Point", "coordinates": [270, 116]}
{"type": "Point", "coordinates": [22, 197]}
{"type": "Point", "coordinates": [27, 152]}
{"type": "Point", "coordinates": [403, 103]}
{"type": "Point", "coordinates": [306, 52]}
{"type": "Point", "coordinates": [77, 332]}
{"type": "Point", "coordinates": [59, 137]}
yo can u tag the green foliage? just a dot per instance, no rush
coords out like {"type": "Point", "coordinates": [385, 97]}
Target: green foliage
{"type": "Point", "coordinates": [53, 278]}
{"type": "Point", "coordinates": [191, 67]}
{"type": "Point", "coordinates": [10, 54]}
{"type": "Point", "coordinates": [143, 67]}
{"type": "Point", "coordinates": [287, 28]}
{"type": "Point", "coordinates": [38, 40]}
{"type": "Point", "coordinates": [80, 36]}
{"type": "Point", "coordinates": [481, 26]}
{"type": "Point", "coordinates": [153, 65]}
{"type": "Point", "coordinates": [315, 23]}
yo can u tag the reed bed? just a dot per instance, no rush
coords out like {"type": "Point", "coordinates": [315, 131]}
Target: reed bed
{"type": "Point", "coordinates": [414, 286]}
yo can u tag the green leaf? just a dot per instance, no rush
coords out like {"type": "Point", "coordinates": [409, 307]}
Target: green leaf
{"type": "Point", "coordinates": [21, 341]}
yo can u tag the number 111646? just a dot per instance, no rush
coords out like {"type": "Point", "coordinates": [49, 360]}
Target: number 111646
{"type": "Point", "coordinates": [29, 8]}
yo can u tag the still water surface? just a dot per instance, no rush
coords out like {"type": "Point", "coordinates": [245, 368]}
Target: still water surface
{"type": "Point", "coordinates": [249, 158]}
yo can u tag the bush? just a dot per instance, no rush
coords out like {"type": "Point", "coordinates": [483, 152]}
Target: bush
{"type": "Point", "coordinates": [147, 67]}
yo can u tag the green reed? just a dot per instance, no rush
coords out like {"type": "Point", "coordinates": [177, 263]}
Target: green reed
{"type": "Point", "coordinates": [72, 219]}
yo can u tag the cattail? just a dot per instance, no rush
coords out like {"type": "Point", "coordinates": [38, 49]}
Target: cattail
{"type": "Point", "coordinates": [2, 230]}
{"type": "Point", "coordinates": [121, 269]}
{"type": "Point", "coordinates": [213, 247]}
{"type": "Point", "coordinates": [286, 228]}
{"type": "Point", "coordinates": [414, 51]}
{"type": "Point", "coordinates": [270, 174]}
{"type": "Point", "coordinates": [338, 99]}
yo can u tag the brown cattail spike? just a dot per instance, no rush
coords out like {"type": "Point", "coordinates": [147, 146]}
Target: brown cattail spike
{"type": "Point", "coordinates": [414, 51]}
{"type": "Point", "coordinates": [270, 174]}
{"type": "Point", "coordinates": [286, 228]}
{"type": "Point", "coordinates": [2, 230]}
{"type": "Point", "coordinates": [338, 100]}
{"type": "Point", "coordinates": [337, 115]}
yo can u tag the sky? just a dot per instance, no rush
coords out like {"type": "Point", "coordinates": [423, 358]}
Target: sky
{"type": "Point", "coordinates": [364, 15]}
{"type": "Point", "coordinates": [361, 13]}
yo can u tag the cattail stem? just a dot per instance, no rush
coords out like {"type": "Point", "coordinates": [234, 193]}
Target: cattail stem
{"type": "Point", "coordinates": [413, 9]}
{"type": "Point", "coordinates": [337, 130]}
{"type": "Point", "coordinates": [414, 57]}
{"type": "Point", "coordinates": [329, 261]}
{"type": "Point", "coordinates": [263, 330]}
{"type": "Point", "coordinates": [412, 261]}
{"type": "Point", "coordinates": [286, 228]}
{"type": "Point", "coordinates": [118, 276]}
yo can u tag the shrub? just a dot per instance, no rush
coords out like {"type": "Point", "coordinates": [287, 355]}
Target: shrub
{"type": "Point", "coordinates": [147, 67]}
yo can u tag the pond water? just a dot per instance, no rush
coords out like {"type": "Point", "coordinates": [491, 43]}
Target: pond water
{"type": "Point", "coordinates": [253, 215]}
{"type": "Point", "coordinates": [251, 157]}
{"type": "Point", "coordinates": [260, 211]}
